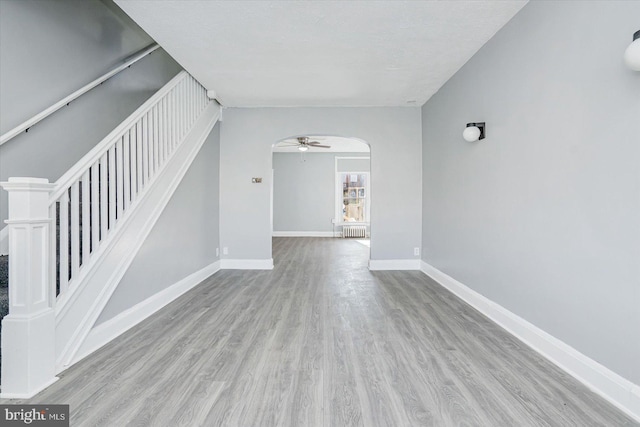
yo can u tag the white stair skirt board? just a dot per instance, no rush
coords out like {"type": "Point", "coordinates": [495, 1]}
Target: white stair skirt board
{"type": "Point", "coordinates": [29, 395]}
{"type": "Point", "coordinates": [394, 264]}
{"type": "Point", "coordinates": [246, 264]}
{"type": "Point", "coordinates": [619, 391]}
{"type": "Point", "coordinates": [76, 315]}
{"type": "Point", "coordinates": [4, 241]}
{"type": "Point", "coordinates": [112, 328]}
{"type": "Point", "coordinates": [305, 234]}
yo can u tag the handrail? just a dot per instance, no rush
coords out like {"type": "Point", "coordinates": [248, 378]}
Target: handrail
{"type": "Point", "coordinates": [89, 203]}
{"type": "Point", "coordinates": [86, 88]}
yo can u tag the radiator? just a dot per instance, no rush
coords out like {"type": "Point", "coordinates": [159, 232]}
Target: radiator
{"type": "Point", "coordinates": [354, 231]}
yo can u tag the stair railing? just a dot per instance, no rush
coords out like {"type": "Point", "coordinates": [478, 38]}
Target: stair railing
{"type": "Point", "coordinates": [89, 201]}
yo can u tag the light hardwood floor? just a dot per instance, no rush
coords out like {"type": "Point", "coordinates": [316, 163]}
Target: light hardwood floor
{"type": "Point", "coordinates": [322, 341]}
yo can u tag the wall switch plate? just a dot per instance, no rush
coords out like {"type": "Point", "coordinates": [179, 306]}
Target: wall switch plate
{"type": "Point", "coordinates": [256, 180]}
{"type": "Point", "coordinates": [225, 251]}
{"type": "Point", "coordinates": [217, 251]}
{"type": "Point", "coordinates": [416, 251]}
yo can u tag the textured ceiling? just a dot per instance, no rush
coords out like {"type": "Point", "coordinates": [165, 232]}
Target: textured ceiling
{"type": "Point", "coordinates": [321, 53]}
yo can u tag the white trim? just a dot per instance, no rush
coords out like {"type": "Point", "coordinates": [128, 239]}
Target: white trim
{"type": "Point", "coordinates": [112, 328]}
{"type": "Point", "coordinates": [394, 264]}
{"type": "Point", "coordinates": [246, 264]}
{"type": "Point", "coordinates": [343, 223]}
{"type": "Point", "coordinates": [28, 395]}
{"type": "Point", "coordinates": [75, 95]}
{"type": "Point", "coordinates": [4, 241]}
{"type": "Point", "coordinates": [76, 312]}
{"type": "Point", "coordinates": [304, 234]}
{"type": "Point", "coordinates": [76, 171]}
{"type": "Point", "coordinates": [621, 392]}
{"type": "Point", "coordinates": [338, 190]}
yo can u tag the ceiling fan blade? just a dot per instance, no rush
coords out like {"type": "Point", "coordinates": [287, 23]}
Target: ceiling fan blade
{"type": "Point", "coordinates": [314, 143]}
{"type": "Point", "coordinates": [319, 146]}
{"type": "Point", "coordinates": [287, 145]}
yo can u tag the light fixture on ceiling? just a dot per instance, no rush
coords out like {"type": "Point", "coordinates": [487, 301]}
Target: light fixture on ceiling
{"type": "Point", "coordinates": [474, 132]}
{"type": "Point", "coordinates": [303, 148]}
{"type": "Point", "coordinates": [632, 54]}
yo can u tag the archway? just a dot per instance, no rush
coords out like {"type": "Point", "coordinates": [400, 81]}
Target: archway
{"type": "Point", "coordinates": [321, 188]}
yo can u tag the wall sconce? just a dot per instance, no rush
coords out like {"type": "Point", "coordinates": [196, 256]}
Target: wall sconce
{"type": "Point", "coordinates": [474, 132]}
{"type": "Point", "coordinates": [632, 54]}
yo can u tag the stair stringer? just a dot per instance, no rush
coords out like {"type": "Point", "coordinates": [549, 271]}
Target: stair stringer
{"type": "Point", "coordinates": [79, 313]}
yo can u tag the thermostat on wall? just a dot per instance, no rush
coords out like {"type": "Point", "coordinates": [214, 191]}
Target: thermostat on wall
{"type": "Point", "coordinates": [256, 180]}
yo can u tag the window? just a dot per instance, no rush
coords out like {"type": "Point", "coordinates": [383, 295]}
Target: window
{"type": "Point", "coordinates": [354, 196]}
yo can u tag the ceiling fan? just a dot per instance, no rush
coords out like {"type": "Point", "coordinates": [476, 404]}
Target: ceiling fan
{"type": "Point", "coordinates": [303, 143]}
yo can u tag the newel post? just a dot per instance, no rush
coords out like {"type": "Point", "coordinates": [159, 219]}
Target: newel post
{"type": "Point", "coordinates": [28, 331]}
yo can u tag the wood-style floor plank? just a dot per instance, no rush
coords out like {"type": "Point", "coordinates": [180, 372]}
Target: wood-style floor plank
{"type": "Point", "coordinates": [322, 341]}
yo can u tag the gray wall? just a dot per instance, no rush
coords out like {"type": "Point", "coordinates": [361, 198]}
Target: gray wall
{"type": "Point", "coordinates": [185, 238]}
{"type": "Point", "coordinates": [543, 216]}
{"type": "Point", "coordinates": [304, 190]}
{"type": "Point", "coordinates": [247, 136]}
{"type": "Point", "coordinates": [51, 48]}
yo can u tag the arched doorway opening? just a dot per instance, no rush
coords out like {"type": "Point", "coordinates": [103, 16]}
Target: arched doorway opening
{"type": "Point", "coordinates": [321, 188]}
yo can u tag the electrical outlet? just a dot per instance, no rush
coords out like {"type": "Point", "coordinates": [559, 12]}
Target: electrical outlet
{"type": "Point", "coordinates": [217, 251]}
{"type": "Point", "coordinates": [225, 251]}
{"type": "Point", "coordinates": [416, 251]}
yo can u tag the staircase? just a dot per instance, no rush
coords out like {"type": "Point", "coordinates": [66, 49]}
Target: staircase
{"type": "Point", "coordinates": [72, 241]}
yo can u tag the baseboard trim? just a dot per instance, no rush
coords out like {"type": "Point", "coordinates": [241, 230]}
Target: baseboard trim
{"type": "Point", "coordinates": [305, 234]}
{"type": "Point", "coordinates": [112, 328]}
{"type": "Point", "coordinates": [4, 241]}
{"type": "Point", "coordinates": [28, 395]}
{"type": "Point", "coordinates": [619, 391]}
{"type": "Point", "coordinates": [394, 264]}
{"type": "Point", "coordinates": [246, 264]}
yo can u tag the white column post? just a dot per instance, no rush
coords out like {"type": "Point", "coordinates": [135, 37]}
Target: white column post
{"type": "Point", "coordinates": [28, 331]}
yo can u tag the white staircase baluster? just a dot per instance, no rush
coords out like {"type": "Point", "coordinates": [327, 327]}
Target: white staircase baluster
{"type": "Point", "coordinates": [95, 206]}
{"type": "Point", "coordinates": [111, 185]}
{"type": "Point", "coordinates": [165, 129]}
{"type": "Point", "coordinates": [104, 197]}
{"type": "Point", "coordinates": [181, 111]}
{"type": "Point", "coordinates": [145, 150]}
{"type": "Point", "coordinates": [173, 123]}
{"type": "Point", "coordinates": [134, 162]}
{"type": "Point", "coordinates": [156, 138]}
{"type": "Point", "coordinates": [85, 221]}
{"type": "Point", "coordinates": [119, 180]}
{"type": "Point", "coordinates": [138, 159]}
{"type": "Point", "coordinates": [75, 228]}
{"type": "Point", "coordinates": [64, 242]}
{"type": "Point", "coordinates": [126, 179]}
